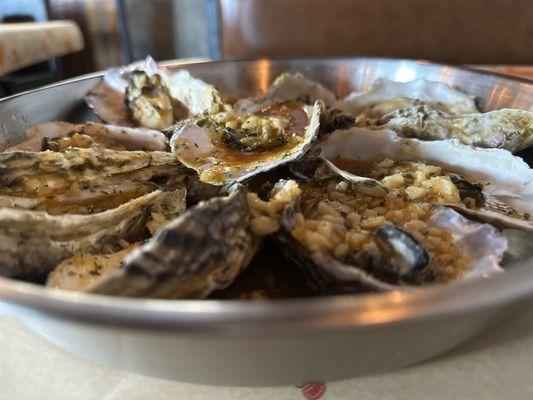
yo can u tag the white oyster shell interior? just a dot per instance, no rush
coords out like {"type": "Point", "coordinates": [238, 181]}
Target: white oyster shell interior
{"type": "Point", "coordinates": [506, 177]}
{"type": "Point", "coordinates": [434, 93]}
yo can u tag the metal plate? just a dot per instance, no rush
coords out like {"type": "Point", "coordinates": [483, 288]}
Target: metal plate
{"type": "Point", "coordinates": [274, 342]}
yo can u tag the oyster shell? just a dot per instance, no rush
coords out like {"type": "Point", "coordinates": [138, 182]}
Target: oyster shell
{"type": "Point", "coordinates": [225, 149]}
{"type": "Point", "coordinates": [201, 251]}
{"type": "Point", "coordinates": [397, 260]}
{"type": "Point", "coordinates": [287, 87]}
{"type": "Point", "coordinates": [143, 94]}
{"type": "Point", "coordinates": [385, 96]}
{"type": "Point", "coordinates": [34, 242]}
{"type": "Point", "coordinates": [506, 128]}
{"type": "Point", "coordinates": [84, 270]}
{"type": "Point", "coordinates": [58, 136]}
{"type": "Point", "coordinates": [84, 180]}
{"type": "Point", "coordinates": [505, 181]}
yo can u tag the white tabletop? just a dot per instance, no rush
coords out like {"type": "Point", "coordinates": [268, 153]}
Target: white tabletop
{"type": "Point", "coordinates": [496, 365]}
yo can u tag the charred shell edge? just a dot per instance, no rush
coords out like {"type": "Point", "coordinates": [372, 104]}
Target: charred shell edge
{"type": "Point", "coordinates": [199, 252]}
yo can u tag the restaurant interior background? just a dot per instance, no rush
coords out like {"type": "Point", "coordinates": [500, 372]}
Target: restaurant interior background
{"type": "Point", "coordinates": [115, 32]}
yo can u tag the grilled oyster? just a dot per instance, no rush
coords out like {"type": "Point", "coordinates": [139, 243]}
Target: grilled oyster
{"type": "Point", "coordinates": [143, 94]}
{"type": "Point", "coordinates": [290, 87]}
{"type": "Point", "coordinates": [287, 87]}
{"type": "Point", "coordinates": [84, 270]}
{"type": "Point", "coordinates": [345, 242]}
{"type": "Point", "coordinates": [385, 96]}
{"type": "Point", "coordinates": [506, 128]}
{"type": "Point", "coordinates": [34, 242]}
{"type": "Point", "coordinates": [201, 251]}
{"type": "Point", "coordinates": [84, 180]}
{"type": "Point", "coordinates": [225, 148]}
{"type": "Point", "coordinates": [58, 136]}
{"type": "Point", "coordinates": [490, 184]}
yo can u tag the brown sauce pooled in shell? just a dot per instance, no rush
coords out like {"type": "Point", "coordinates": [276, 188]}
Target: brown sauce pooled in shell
{"type": "Point", "coordinates": [224, 143]}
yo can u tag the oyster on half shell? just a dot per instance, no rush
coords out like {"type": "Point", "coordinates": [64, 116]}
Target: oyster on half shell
{"type": "Point", "coordinates": [144, 94]}
{"type": "Point", "coordinates": [34, 242]}
{"type": "Point", "coordinates": [287, 87]}
{"type": "Point", "coordinates": [385, 96]}
{"type": "Point", "coordinates": [341, 250]}
{"type": "Point", "coordinates": [58, 136]}
{"type": "Point", "coordinates": [506, 128]}
{"type": "Point", "coordinates": [201, 251]}
{"type": "Point", "coordinates": [85, 269]}
{"type": "Point", "coordinates": [224, 148]}
{"type": "Point", "coordinates": [84, 180]}
{"type": "Point", "coordinates": [489, 184]}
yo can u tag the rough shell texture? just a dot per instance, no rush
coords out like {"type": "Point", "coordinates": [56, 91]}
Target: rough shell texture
{"type": "Point", "coordinates": [507, 180]}
{"type": "Point", "coordinates": [33, 242]}
{"type": "Point", "coordinates": [434, 93]}
{"type": "Point", "coordinates": [84, 270]}
{"type": "Point", "coordinates": [104, 135]}
{"type": "Point", "coordinates": [507, 129]}
{"type": "Point", "coordinates": [191, 142]}
{"type": "Point", "coordinates": [201, 251]}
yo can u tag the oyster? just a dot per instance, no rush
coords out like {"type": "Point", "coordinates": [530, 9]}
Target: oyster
{"type": "Point", "coordinates": [490, 184]}
{"type": "Point", "coordinates": [225, 148]}
{"type": "Point", "coordinates": [58, 136]}
{"type": "Point", "coordinates": [34, 242]}
{"type": "Point", "coordinates": [287, 87]}
{"type": "Point", "coordinates": [201, 251]}
{"type": "Point", "coordinates": [506, 128]}
{"type": "Point", "coordinates": [385, 96]}
{"type": "Point", "coordinates": [84, 180]}
{"type": "Point", "coordinates": [84, 270]}
{"type": "Point", "coordinates": [143, 94]}
{"type": "Point", "coordinates": [290, 87]}
{"type": "Point", "coordinates": [344, 243]}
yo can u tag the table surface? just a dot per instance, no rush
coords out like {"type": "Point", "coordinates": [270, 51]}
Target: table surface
{"type": "Point", "coordinates": [496, 365]}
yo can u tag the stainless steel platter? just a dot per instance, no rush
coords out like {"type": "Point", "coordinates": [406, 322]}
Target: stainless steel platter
{"type": "Point", "coordinates": [238, 342]}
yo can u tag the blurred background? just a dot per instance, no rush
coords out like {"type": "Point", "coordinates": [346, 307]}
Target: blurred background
{"type": "Point", "coordinates": [114, 32]}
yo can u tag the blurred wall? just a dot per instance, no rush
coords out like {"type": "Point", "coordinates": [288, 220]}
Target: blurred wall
{"type": "Point", "coordinates": [457, 31]}
{"type": "Point", "coordinates": [165, 29]}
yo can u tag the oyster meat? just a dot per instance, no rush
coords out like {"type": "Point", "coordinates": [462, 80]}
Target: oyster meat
{"type": "Point", "coordinates": [385, 96]}
{"type": "Point", "coordinates": [506, 128]}
{"type": "Point", "coordinates": [201, 251]}
{"type": "Point", "coordinates": [225, 148]}
{"type": "Point", "coordinates": [489, 184]}
{"type": "Point", "coordinates": [143, 94]}
{"type": "Point", "coordinates": [346, 241]}
{"type": "Point", "coordinates": [84, 180]}
{"type": "Point", "coordinates": [290, 87]}
{"type": "Point", "coordinates": [58, 136]}
{"type": "Point", "coordinates": [34, 242]}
